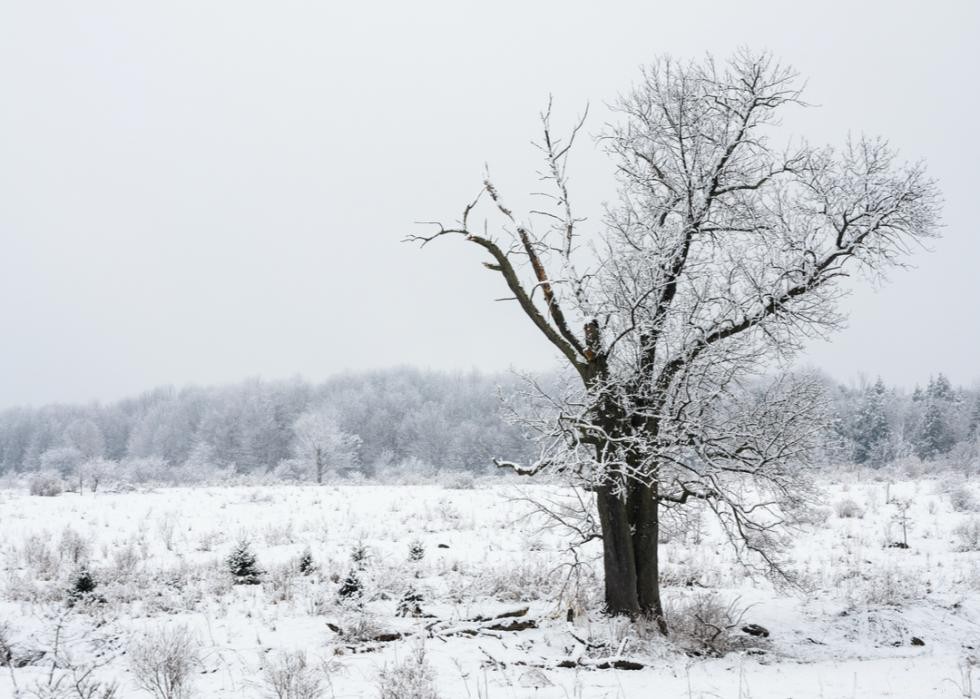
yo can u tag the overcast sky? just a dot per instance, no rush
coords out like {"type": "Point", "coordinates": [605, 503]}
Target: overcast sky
{"type": "Point", "coordinates": [203, 191]}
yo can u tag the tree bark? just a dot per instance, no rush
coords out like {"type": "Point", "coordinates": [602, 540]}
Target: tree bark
{"type": "Point", "coordinates": [618, 555]}
{"type": "Point", "coordinates": [631, 562]}
{"type": "Point", "coordinates": [645, 517]}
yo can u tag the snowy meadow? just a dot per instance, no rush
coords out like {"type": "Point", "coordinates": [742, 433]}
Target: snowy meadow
{"type": "Point", "coordinates": [429, 591]}
{"type": "Point", "coordinates": [427, 351]}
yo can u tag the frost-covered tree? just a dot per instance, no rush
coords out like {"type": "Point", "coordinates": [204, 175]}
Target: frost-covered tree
{"type": "Point", "coordinates": [94, 472]}
{"type": "Point", "coordinates": [872, 431]}
{"type": "Point", "coordinates": [16, 431]}
{"type": "Point", "coordinates": [934, 437]}
{"type": "Point", "coordinates": [320, 443]}
{"type": "Point", "coordinates": [165, 429]}
{"type": "Point", "coordinates": [724, 251]}
{"type": "Point", "coordinates": [941, 390]}
{"type": "Point", "coordinates": [243, 565]}
{"type": "Point", "coordinates": [973, 423]}
{"type": "Point", "coordinates": [85, 435]}
{"type": "Point", "coordinates": [936, 432]}
{"type": "Point", "coordinates": [63, 460]}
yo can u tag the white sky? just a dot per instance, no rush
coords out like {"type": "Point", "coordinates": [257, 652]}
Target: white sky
{"type": "Point", "coordinates": [200, 191]}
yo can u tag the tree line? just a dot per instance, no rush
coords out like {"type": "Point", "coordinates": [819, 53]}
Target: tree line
{"type": "Point", "coordinates": [382, 422]}
{"type": "Point", "coordinates": [370, 423]}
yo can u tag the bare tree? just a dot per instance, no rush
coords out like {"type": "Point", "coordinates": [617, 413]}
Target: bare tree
{"type": "Point", "coordinates": [320, 442]}
{"type": "Point", "coordinates": [86, 437]}
{"type": "Point", "coordinates": [723, 252]}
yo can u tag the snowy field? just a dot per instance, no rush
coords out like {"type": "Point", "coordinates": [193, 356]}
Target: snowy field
{"type": "Point", "coordinates": [867, 619]}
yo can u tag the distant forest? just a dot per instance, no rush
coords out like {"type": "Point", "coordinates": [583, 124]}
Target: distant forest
{"type": "Point", "coordinates": [404, 421]}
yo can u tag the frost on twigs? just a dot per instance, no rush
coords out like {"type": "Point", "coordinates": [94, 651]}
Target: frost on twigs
{"type": "Point", "coordinates": [704, 624]}
{"type": "Point", "coordinates": [967, 535]}
{"type": "Point", "coordinates": [411, 677]}
{"type": "Point", "coordinates": [165, 661]}
{"type": "Point", "coordinates": [848, 509]}
{"type": "Point", "coordinates": [291, 675]}
{"type": "Point", "coordinates": [46, 485]}
{"type": "Point", "coordinates": [723, 253]}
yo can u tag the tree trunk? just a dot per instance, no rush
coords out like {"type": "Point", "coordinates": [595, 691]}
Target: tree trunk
{"type": "Point", "coordinates": [645, 517]}
{"type": "Point", "coordinates": [319, 467]}
{"type": "Point", "coordinates": [630, 550]}
{"type": "Point", "coordinates": [618, 558]}
{"type": "Point", "coordinates": [630, 532]}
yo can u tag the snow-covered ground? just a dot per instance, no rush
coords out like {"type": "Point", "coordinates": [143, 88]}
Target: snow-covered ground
{"type": "Point", "coordinates": [158, 560]}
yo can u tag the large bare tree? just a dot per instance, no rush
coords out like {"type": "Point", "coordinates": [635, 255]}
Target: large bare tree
{"type": "Point", "coordinates": [724, 251]}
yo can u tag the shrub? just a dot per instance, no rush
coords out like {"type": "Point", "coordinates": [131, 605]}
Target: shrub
{"type": "Point", "coordinates": [293, 470]}
{"type": "Point", "coordinates": [848, 509]}
{"type": "Point", "coordinates": [290, 676]}
{"type": "Point", "coordinates": [163, 661]}
{"type": "Point", "coordinates": [459, 480]}
{"type": "Point", "coordinates": [968, 535]}
{"type": "Point", "coordinates": [881, 585]}
{"type": "Point", "coordinates": [38, 556]}
{"type": "Point", "coordinates": [358, 626]}
{"type": "Point", "coordinates": [46, 485]}
{"type": "Point", "coordinates": [410, 679]}
{"type": "Point", "coordinates": [150, 469]}
{"type": "Point", "coordinates": [529, 581]}
{"type": "Point", "coordinates": [962, 499]}
{"type": "Point", "coordinates": [704, 623]}
{"type": "Point", "coordinates": [167, 525]}
{"type": "Point", "coordinates": [126, 560]}
{"type": "Point", "coordinates": [281, 583]}
{"type": "Point", "coordinates": [73, 548]}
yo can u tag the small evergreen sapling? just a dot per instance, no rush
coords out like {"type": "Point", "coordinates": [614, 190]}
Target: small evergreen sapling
{"type": "Point", "coordinates": [359, 555]}
{"type": "Point", "coordinates": [82, 584]}
{"type": "Point", "coordinates": [351, 587]}
{"type": "Point", "coordinates": [82, 589]}
{"type": "Point", "coordinates": [410, 603]}
{"type": "Point", "coordinates": [416, 552]}
{"type": "Point", "coordinates": [306, 565]}
{"type": "Point", "coordinates": [243, 566]}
